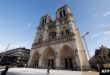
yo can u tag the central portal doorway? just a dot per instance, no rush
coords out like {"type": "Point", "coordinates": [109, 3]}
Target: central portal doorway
{"type": "Point", "coordinates": [68, 63]}
{"type": "Point", "coordinates": [51, 63]}
{"type": "Point", "coordinates": [49, 58]}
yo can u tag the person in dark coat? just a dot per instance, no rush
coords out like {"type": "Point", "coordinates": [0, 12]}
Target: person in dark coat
{"type": "Point", "coordinates": [48, 70]}
{"type": "Point", "coordinates": [5, 71]}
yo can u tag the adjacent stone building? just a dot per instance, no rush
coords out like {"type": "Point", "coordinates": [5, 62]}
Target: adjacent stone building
{"type": "Point", "coordinates": [58, 43]}
{"type": "Point", "coordinates": [17, 57]}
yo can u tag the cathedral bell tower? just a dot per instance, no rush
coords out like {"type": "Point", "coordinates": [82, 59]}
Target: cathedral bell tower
{"type": "Point", "coordinates": [66, 23]}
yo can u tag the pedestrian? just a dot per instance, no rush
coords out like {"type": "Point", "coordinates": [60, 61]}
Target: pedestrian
{"type": "Point", "coordinates": [25, 65]}
{"type": "Point", "coordinates": [4, 72]}
{"type": "Point", "coordinates": [48, 70]}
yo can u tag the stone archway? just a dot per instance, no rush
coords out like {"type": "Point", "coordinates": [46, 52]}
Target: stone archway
{"type": "Point", "coordinates": [35, 59]}
{"type": "Point", "coordinates": [48, 59]}
{"type": "Point", "coordinates": [67, 57]}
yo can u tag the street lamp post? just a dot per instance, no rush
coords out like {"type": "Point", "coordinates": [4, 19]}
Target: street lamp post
{"type": "Point", "coordinates": [86, 43]}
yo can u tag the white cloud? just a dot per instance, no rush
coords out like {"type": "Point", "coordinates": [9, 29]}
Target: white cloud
{"type": "Point", "coordinates": [103, 25]}
{"type": "Point", "coordinates": [29, 24]}
{"type": "Point", "coordinates": [106, 13]}
{"type": "Point", "coordinates": [103, 28]}
{"type": "Point", "coordinates": [107, 32]}
{"type": "Point", "coordinates": [96, 35]}
{"type": "Point", "coordinates": [103, 41]}
{"type": "Point", "coordinates": [102, 33]}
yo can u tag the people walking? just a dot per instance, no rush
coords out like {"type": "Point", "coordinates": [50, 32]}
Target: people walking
{"type": "Point", "coordinates": [25, 65]}
{"type": "Point", "coordinates": [48, 70]}
{"type": "Point", "coordinates": [5, 71]}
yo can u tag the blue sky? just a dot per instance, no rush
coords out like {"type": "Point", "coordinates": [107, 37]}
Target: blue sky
{"type": "Point", "coordinates": [19, 19]}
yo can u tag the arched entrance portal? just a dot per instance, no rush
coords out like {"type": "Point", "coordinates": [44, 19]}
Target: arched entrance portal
{"type": "Point", "coordinates": [49, 57]}
{"type": "Point", "coordinates": [35, 59]}
{"type": "Point", "coordinates": [66, 57]}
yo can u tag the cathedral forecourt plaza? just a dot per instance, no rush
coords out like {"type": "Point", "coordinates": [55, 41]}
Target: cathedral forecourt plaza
{"type": "Point", "coordinates": [58, 44]}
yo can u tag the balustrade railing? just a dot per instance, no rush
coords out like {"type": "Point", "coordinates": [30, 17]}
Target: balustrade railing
{"type": "Point", "coordinates": [53, 41]}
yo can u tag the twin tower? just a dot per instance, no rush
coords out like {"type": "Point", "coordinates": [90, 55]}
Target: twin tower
{"type": "Point", "coordinates": [58, 44]}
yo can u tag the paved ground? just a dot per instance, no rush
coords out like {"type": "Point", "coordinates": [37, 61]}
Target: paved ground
{"type": "Point", "coordinates": [32, 71]}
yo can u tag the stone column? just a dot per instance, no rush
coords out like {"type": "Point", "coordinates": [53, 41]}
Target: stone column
{"type": "Point", "coordinates": [57, 66]}
{"type": "Point", "coordinates": [30, 62]}
{"type": "Point", "coordinates": [40, 60]}
{"type": "Point", "coordinates": [58, 31]}
{"type": "Point", "coordinates": [40, 63]}
{"type": "Point", "coordinates": [45, 36]}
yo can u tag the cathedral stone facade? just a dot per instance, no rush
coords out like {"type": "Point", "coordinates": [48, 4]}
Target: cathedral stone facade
{"type": "Point", "coordinates": [58, 44]}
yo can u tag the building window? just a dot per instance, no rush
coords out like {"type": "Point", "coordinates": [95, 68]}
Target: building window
{"type": "Point", "coordinates": [45, 20]}
{"type": "Point", "coordinates": [42, 22]}
{"type": "Point", "coordinates": [105, 58]}
{"type": "Point", "coordinates": [61, 14]}
{"type": "Point", "coordinates": [64, 13]}
{"type": "Point", "coordinates": [39, 40]}
{"type": "Point", "coordinates": [67, 32]}
{"type": "Point", "coordinates": [52, 35]}
{"type": "Point", "coordinates": [62, 33]}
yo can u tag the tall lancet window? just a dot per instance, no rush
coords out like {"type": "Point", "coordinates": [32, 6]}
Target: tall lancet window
{"type": "Point", "coordinates": [61, 15]}
{"type": "Point", "coordinates": [45, 20]}
{"type": "Point", "coordinates": [64, 13]}
{"type": "Point", "coordinates": [42, 22]}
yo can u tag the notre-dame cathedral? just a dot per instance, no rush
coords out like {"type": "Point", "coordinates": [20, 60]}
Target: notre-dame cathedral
{"type": "Point", "coordinates": [58, 44]}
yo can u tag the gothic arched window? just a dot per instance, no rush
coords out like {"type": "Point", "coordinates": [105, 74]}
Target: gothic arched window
{"type": "Point", "coordinates": [52, 35]}
{"type": "Point", "coordinates": [42, 22]}
{"type": "Point", "coordinates": [45, 20]}
{"type": "Point", "coordinates": [64, 13]}
{"type": "Point", "coordinates": [61, 14]}
{"type": "Point", "coordinates": [39, 40]}
{"type": "Point", "coordinates": [67, 32]}
{"type": "Point", "coordinates": [62, 33]}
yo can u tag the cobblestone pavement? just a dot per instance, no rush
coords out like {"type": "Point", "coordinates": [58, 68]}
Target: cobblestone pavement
{"type": "Point", "coordinates": [32, 71]}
